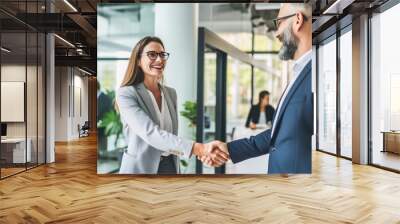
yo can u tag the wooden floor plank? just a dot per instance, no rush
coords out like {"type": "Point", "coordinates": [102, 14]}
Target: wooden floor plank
{"type": "Point", "coordinates": [70, 191]}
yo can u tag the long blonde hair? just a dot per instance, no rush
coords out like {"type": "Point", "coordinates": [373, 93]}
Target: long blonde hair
{"type": "Point", "coordinates": [134, 74]}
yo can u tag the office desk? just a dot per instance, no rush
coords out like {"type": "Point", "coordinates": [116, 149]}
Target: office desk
{"type": "Point", "coordinates": [391, 141]}
{"type": "Point", "coordinates": [13, 150]}
{"type": "Point", "coordinates": [256, 165]}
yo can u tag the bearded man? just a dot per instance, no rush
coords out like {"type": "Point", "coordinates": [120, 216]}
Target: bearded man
{"type": "Point", "coordinates": [288, 142]}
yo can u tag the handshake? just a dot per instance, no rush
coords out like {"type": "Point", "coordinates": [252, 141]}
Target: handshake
{"type": "Point", "coordinates": [214, 153]}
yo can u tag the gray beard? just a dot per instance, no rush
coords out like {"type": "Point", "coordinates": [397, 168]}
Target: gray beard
{"type": "Point", "coordinates": [289, 45]}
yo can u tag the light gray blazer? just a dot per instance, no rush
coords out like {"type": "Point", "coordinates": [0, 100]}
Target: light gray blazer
{"type": "Point", "coordinates": [146, 141]}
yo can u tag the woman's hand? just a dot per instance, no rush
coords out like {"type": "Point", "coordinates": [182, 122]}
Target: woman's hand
{"type": "Point", "coordinates": [252, 125]}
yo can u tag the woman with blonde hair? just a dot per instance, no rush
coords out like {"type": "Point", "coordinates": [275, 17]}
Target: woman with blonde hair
{"type": "Point", "coordinates": [149, 114]}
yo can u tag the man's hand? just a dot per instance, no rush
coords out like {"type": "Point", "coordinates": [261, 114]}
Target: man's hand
{"type": "Point", "coordinates": [219, 147]}
{"type": "Point", "coordinates": [216, 155]}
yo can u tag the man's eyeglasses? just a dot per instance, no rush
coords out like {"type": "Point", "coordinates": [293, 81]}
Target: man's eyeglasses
{"type": "Point", "coordinates": [153, 55]}
{"type": "Point", "coordinates": [278, 20]}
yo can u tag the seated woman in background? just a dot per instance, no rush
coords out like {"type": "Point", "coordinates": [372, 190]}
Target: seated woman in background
{"type": "Point", "coordinates": [260, 115]}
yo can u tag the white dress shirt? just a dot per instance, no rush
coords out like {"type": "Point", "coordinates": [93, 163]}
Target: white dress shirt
{"type": "Point", "coordinates": [262, 119]}
{"type": "Point", "coordinates": [164, 115]}
{"type": "Point", "coordinates": [298, 66]}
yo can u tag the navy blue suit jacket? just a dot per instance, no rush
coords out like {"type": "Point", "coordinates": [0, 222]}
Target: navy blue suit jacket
{"type": "Point", "coordinates": [290, 147]}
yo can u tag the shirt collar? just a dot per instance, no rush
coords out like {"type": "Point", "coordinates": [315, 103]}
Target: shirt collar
{"type": "Point", "coordinates": [300, 63]}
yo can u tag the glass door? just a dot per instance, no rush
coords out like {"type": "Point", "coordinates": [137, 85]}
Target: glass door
{"type": "Point", "coordinates": [385, 90]}
{"type": "Point", "coordinates": [327, 96]}
{"type": "Point", "coordinates": [210, 100]}
{"type": "Point", "coordinates": [346, 94]}
{"type": "Point", "coordinates": [22, 77]}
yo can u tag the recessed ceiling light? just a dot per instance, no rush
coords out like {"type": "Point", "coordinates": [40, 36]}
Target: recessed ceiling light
{"type": "Point", "coordinates": [64, 40]}
{"type": "Point", "coordinates": [338, 6]}
{"type": "Point", "coordinates": [5, 50]}
{"type": "Point", "coordinates": [70, 5]}
{"type": "Point", "coordinates": [84, 71]}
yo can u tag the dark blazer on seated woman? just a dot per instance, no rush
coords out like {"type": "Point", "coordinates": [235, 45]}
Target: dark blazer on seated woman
{"type": "Point", "coordinates": [254, 114]}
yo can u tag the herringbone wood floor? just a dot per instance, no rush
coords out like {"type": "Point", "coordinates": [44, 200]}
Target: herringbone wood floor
{"type": "Point", "coordinates": [70, 191]}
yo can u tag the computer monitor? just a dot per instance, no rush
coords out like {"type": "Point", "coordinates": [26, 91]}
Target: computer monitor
{"type": "Point", "coordinates": [3, 129]}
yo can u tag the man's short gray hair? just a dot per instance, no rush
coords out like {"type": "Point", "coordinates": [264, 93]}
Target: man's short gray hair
{"type": "Point", "coordinates": [305, 8]}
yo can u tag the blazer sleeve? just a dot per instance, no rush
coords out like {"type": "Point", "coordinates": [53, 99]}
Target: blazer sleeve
{"type": "Point", "coordinates": [249, 117]}
{"type": "Point", "coordinates": [142, 125]}
{"type": "Point", "coordinates": [246, 148]}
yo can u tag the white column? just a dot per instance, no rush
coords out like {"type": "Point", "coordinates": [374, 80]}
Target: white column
{"type": "Point", "coordinates": [177, 25]}
{"type": "Point", "coordinates": [50, 94]}
{"type": "Point", "coordinates": [314, 90]}
{"type": "Point", "coordinates": [360, 90]}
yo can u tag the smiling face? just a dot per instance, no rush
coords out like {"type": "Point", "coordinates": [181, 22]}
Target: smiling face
{"type": "Point", "coordinates": [154, 68]}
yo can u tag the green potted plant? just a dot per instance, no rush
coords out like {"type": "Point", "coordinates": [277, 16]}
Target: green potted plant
{"type": "Point", "coordinates": [111, 124]}
{"type": "Point", "coordinates": [189, 112]}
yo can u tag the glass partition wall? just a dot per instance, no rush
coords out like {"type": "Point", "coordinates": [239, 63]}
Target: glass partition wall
{"type": "Point", "coordinates": [334, 94]}
{"type": "Point", "coordinates": [327, 95]}
{"type": "Point", "coordinates": [22, 77]}
{"type": "Point", "coordinates": [345, 53]}
{"type": "Point", "coordinates": [385, 90]}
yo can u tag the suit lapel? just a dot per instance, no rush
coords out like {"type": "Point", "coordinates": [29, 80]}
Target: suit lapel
{"type": "Point", "coordinates": [171, 108]}
{"type": "Point", "coordinates": [292, 90]}
{"type": "Point", "coordinates": [142, 91]}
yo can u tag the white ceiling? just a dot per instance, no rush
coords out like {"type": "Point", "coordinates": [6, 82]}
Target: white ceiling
{"type": "Point", "coordinates": [226, 17]}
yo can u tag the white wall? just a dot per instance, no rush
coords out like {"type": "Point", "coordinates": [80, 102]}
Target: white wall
{"type": "Point", "coordinates": [17, 73]}
{"type": "Point", "coordinates": [61, 103]}
{"type": "Point", "coordinates": [70, 84]}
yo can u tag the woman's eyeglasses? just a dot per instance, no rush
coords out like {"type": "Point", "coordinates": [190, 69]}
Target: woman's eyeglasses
{"type": "Point", "coordinates": [152, 55]}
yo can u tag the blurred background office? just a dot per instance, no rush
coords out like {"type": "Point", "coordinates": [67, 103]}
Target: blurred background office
{"type": "Point", "coordinates": [248, 52]}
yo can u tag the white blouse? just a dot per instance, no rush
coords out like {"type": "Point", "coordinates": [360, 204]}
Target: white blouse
{"type": "Point", "coordinates": [262, 119]}
{"type": "Point", "coordinates": [164, 116]}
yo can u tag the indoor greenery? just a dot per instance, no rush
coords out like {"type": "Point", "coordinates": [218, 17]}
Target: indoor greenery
{"type": "Point", "coordinates": [189, 112]}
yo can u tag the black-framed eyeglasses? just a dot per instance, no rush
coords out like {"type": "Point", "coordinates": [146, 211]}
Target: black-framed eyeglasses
{"type": "Point", "coordinates": [152, 55]}
{"type": "Point", "coordinates": [278, 20]}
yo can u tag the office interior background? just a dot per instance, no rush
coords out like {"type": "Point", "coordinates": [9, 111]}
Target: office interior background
{"type": "Point", "coordinates": [244, 26]}
{"type": "Point", "coordinates": [234, 32]}
{"type": "Point", "coordinates": [38, 107]}
{"type": "Point", "coordinates": [53, 53]}
{"type": "Point", "coordinates": [357, 82]}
